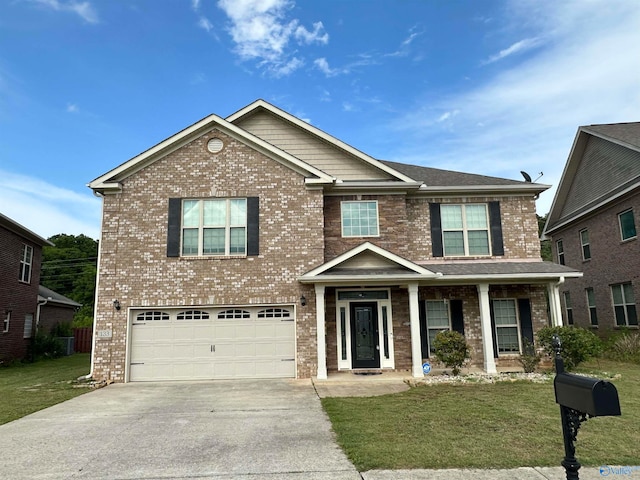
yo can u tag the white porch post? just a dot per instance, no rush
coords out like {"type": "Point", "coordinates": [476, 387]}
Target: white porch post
{"type": "Point", "coordinates": [322, 348]}
{"type": "Point", "coordinates": [487, 334]}
{"type": "Point", "coordinates": [554, 303]}
{"type": "Point", "coordinates": [414, 319]}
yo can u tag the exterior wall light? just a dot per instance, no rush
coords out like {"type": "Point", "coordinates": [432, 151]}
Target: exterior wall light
{"type": "Point", "coordinates": [303, 301]}
{"type": "Point", "coordinates": [116, 304]}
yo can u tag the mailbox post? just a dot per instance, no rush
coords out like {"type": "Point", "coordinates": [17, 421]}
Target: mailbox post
{"type": "Point", "coordinates": [580, 398]}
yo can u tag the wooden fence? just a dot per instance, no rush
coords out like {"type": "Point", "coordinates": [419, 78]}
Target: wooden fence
{"type": "Point", "coordinates": [82, 339]}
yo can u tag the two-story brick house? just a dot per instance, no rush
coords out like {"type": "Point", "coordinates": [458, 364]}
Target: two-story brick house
{"type": "Point", "coordinates": [592, 226]}
{"type": "Point", "coordinates": [258, 245]}
{"type": "Point", "coordinates": [20, 257]}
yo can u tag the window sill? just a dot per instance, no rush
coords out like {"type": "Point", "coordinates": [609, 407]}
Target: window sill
{"type": "Point", "coordinates": [213, 257]}
{"type": "Point", "coordinates": [626, 327]}
{"type": "Point", "coordinates": [627, 240]}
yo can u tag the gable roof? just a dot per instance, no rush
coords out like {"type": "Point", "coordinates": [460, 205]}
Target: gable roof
{"type": "Point", "coordinates": [603, 165]}
{"type": "Point", "coordinates": [110, 181]}
{"type": "Point", "coordinates": [45, 293]}
{"type": "Point", "coordinates": [22, 231]}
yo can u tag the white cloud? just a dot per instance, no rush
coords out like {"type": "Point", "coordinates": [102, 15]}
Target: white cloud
{"type": "Point", "coordinates": [46, 209]}
{"type": "Point", "coordinates": [205, 24]}
{"type": "Point", "coordinates": [526, 116]}
{"type": "Point", "coordinates": [518, 47]}
{"type": "Point", "coordinates": [262, 32]}
{"type": "Point", "coordinates": [322, 65]}
{"type": "Point", "coordinates": [72, 108]}
{"type": "Point", "coordinates": [83, 9]}
{"type": "Point", "coordinates": [195, 4]}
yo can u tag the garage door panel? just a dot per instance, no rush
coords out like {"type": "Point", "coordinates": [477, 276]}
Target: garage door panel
{"type": "Point", "coordinates": [208, 347]}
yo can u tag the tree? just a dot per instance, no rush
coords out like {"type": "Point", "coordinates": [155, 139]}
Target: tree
{"type": "Point", "coordinates": [69, 268]}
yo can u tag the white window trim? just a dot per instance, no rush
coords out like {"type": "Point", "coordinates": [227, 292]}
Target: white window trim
{"type": "Point", "coordinates": [583, 244]}
{"type": "Point", "coordinates": [623, 304]}
{"type": "Point", "coordinates": [342, 218]}
{"type": "Point", "coordinates": [426, 314]}
{"type": "Point", "coordinates": [201, 227]}
{"type": "Point", "coordinates": [27, 251]}
{"type": "Point", "coordinates": [589, 306]}
{"type": "Point", "coordinates": [6, 322]}
{"type": "Point", "coordinates": [517, 325]}
{"type": "Point", "coordinates": [384, 362]}
{"type": "Point", "coordinates": [629, 210]}
{"type": "Point", "coordinates": [560, 252]}
{"type": "Point", "coordinates": [466, 230]}
{"type": "Point", "coordinates": [28, 322]}
{"type": "Point", "coordinates": [568, 307]}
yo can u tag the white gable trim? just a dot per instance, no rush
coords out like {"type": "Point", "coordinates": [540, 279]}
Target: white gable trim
{"type": "Point", "coordinates": [312, 275]}
{"type": "Point", "coordinates": [319, 133]}
{"type": "Point", "coordinates": [110, 180]}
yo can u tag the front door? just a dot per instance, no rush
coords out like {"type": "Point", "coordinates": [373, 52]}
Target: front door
{"type": "Point", "coordinates": [365, 350]}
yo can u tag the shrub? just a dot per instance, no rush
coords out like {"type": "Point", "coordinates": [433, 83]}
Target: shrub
{"type": "Point", "coordinates": [530, 358]}
{"type": "Point", "coordinates": [578, 344]}
{"type": "Point", "coordinates": [62, 329]}
{"type": "Point", "coordinates": [624, 347]}
{"type": "Point", "coordinates": [45, 346]}
{"type": "Point", "coordinates": [451, 349]}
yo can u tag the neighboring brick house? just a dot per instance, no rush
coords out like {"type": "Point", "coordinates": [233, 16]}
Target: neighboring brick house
{"type": "Point", "coordinates": [592, 226]}
{"type": "Point", "coordinates": [54, 309]}
{"type": "Point", "coordinates": [260, 246]}
{"type": "Point", "coordinates": [20, 257]}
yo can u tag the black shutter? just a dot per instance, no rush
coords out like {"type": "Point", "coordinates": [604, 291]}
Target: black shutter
{"type": "Point", "coordinates": [526, 326]}
{"type": "Point", "coordinates": [457, 320]}
{"type": "Point", "coordinates": [493, 331]}
{"type": "Point", "coordinates": [253, 226]}
{"type": "Point", "coordinates": [495, 222]}
{"type": "Point", "coordinates": [436, 230]}
{"type": "Point", "coordinates": [173, 227]}
{"type": "Point", "coordinates": [423, 329]}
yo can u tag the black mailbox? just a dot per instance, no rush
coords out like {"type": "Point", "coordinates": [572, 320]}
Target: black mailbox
{"type": "Point", "coordinates": [594, 397]}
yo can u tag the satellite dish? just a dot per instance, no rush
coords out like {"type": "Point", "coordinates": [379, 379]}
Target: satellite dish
{"type": "Point", "coordinates": [526, 176]}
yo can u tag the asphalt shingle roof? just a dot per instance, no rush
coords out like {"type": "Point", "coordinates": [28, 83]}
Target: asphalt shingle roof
{"type": "Point", "coordinates": [625, 132]}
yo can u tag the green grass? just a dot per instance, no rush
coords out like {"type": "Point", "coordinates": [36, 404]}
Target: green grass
{"type": "Point", "coordinates": [501, 425]}
{"type": "Point", "coordinates": [27, 388]}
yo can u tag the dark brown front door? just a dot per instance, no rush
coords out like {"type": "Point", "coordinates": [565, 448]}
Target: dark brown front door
{"type": "Point", "coordinates": [365, 350]}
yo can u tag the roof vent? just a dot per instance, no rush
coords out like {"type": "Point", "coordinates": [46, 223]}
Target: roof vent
{"type": "Point", "coordinates": [215, 145]}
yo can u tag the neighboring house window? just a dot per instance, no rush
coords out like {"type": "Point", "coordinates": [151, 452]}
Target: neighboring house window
{"type": "Point", "coordinates": [465, 229]}
{"type": "Point", "coordinates": [624, 304]}
{"type": "Point", "coordinates": [586, 247]}
{"type": "Point", "coordinates": [627, 225]}
{"type": "Point", "coordinates": [28, 325]}
{"type": "Point", "coordinates": [506, 324]}
{"type": "Point", "coordinates": [26, 259]}
{"type": "Point", "coordinates": [214, 226]}
{"type": "Point", "coordinates": [568, 309]}
{"type": "Point", "coordinates": [591, 304]}
{"type": "Point", "coordinates": [360, 219]}
{"type": "Point", "coordinates": [5, 323]}
{"type": "Point", "coordinates": [560, 250]}
{"type": "Point", "coordinates": [437, 312]}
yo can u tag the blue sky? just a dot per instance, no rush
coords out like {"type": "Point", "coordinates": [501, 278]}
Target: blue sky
{"type": "Point", "coordinates": [478, 86]}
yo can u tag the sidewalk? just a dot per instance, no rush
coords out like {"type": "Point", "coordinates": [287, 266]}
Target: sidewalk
{"type": "Point", "coordinates": [524, 473]}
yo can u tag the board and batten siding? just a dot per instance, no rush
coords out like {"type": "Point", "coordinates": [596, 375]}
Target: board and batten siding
{"type": "Point", "coordinates": [310, 149]}
{"type": "Point", "coordinates": [604, 167]}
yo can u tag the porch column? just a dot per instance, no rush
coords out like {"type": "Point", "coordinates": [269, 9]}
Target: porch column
{"type": "Point", "coordinates": [554, 303]}
{"type": "Point", "coordinates": [414, 319]}
{"type": "Point", "coordinates": [487, 333]}
{"type": "Point", "coordinates": [322, 346]}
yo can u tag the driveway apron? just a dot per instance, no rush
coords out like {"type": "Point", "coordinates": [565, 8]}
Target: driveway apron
{"type": "Point", "coordinates": [240, 429]}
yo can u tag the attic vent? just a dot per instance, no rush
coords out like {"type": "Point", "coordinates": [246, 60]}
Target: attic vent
{"type": "Point", "coordinates": [215, 145]}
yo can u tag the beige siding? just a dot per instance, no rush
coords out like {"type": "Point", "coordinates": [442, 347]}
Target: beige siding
{"type": "Point", "coordinates": [309, 148]}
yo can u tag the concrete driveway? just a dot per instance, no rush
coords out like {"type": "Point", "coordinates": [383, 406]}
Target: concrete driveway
{"type": "Point", "coordinates": [219, 430]}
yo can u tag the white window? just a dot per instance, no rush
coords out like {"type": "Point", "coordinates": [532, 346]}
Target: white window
{"type": "Point", "coordinates": [214, 226]}
{"type": "Point", "coordinates": [28, 325]}
{"type": "Point", "coordinates": [438, 319]}
{"type": "Point", "coordinates": [5, 323]}
{"type": "Point", "coordinates": [560, 250]}
{"type": "Point", "coordinates": [627, 225]}
{"type": "Point", "coordinates": [506, 321]}
{"type": "Point", "coordinates": [624, 304]}
{"type": "Point", "coordinates": [465, 230]}
{"type": "Point", "coordinates": [274, 313]}
{"type": "Point", "coordinates": [152, 316]}
{"type": "Point", "coordinates": [234, 313]}
{"type": "Point", "coordinates": [26, 259]}
{"type": "Point", "coordinates": [591, 304]}
{"type": "Point", "coordinates": [568, 308]}
{"type": "Point", "coordinates": [193, 315]}
{"type": "Point", "coordinates": [360, 219]}
{"type": "Point", "coordinates": [586, 246]}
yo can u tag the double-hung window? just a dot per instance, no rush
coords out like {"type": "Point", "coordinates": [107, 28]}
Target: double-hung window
{"type": "Point", "coordinates": [438, 319]}
{"type": "Point", "coordinates": [591, 304]}
{"type": "Point", "coordinates": [624, 304]}
{"type": "Point", "coordinates": [586, 246]}
{"type": "Point", "coordinates": [465, 229]}
{"type": "Point", "coordinates": [505, 315]}
{"type": "Point", "coordinates": [26, 260]}
{"type": "Point", "coordinates": [6, 321]}
{"type": "Point", "coordinates": [560, 251]}
{"type": "Point", "coordinates": [28, 325]}
{"type": "Point", "coordinates": [360, 219]}
{"type": "Point", "coordinates": [627, 225]}
{"type": "Point", "coordinates": [216, 226]}
{"type": "Point", "coordinates": [568, 309]}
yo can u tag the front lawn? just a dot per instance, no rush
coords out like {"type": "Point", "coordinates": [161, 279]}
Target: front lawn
{"type": "Point", "coordinates": [501, 425]}
{"type": "Point", "coordinates": [27, 388]}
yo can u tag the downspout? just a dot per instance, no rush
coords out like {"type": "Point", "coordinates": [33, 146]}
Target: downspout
{"type": "Point", "coordinates": [557, 309]}
{"type": "Point", "coordinates": [40, 304]}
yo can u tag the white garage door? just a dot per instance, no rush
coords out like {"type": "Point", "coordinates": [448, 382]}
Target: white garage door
{"type": "Point", "coordinates": [190, 344]}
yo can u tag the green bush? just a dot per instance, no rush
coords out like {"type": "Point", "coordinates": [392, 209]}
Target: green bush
{"type": "Point", "coordinates": [578, 344]}
{"type": "Point", "coordinates": [530, 358]}
{"type": "Point", "coordinates": [451, 349]}
{"type": "Point", "coordinates": [62, 330]}
{"type": "Point", "coordinates": [45, 346]}
{"type": "Point", "coordinates": [623, 347]}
